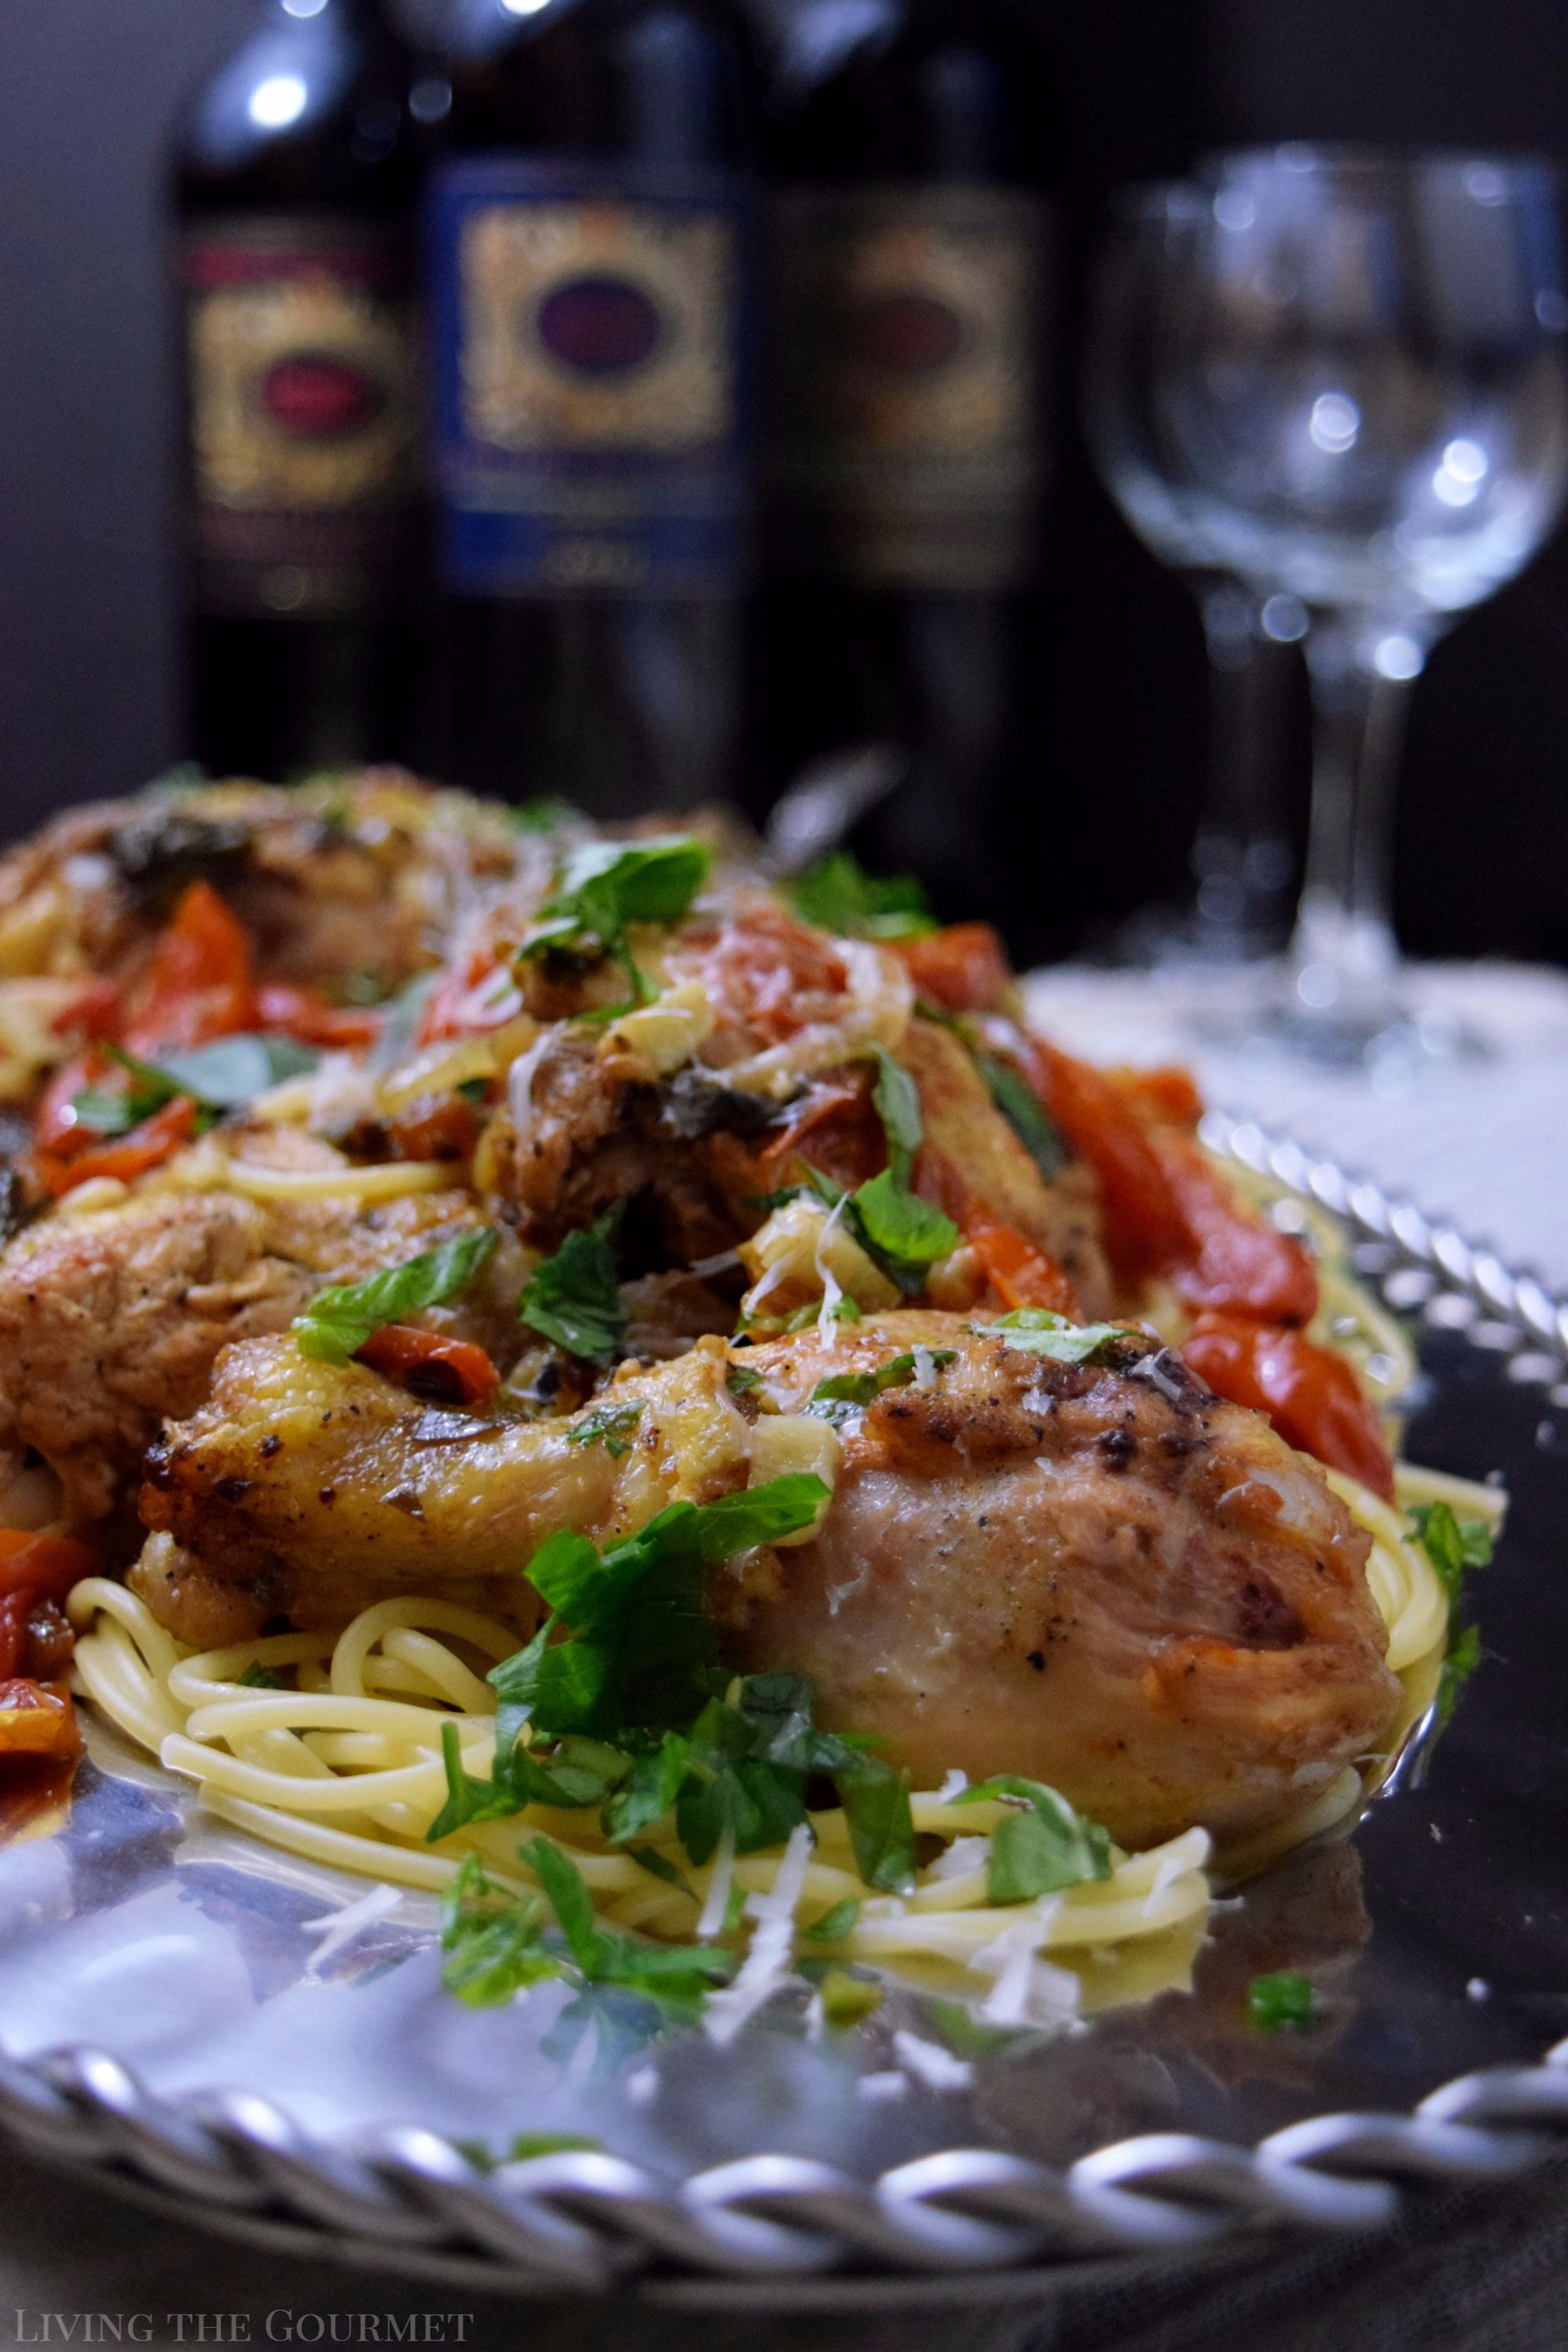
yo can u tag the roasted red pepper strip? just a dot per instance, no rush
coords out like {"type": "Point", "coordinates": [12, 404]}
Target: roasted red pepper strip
{"type": "Point", "coordinates": [1235, 1263]}
{"type": "Point", "coordinates": [304, 1014]}
{"type": "Point", "coordinates": [964, 968]}
{"type": "Point", "coordinates": [1313, 1398]}
{"type": "Point", "coordinates": [443, 1372]}
{"type": "Point", "coordinates": [1021, 1274]}
{"type": "Point", "coordinates": [43, 1566]}
{"type": "Point", "coordinates": [129, 1156]}
{"type": "Point", "coordinates": [36, 1720]}
{"type": "Point", "coordinates": [199, 986]}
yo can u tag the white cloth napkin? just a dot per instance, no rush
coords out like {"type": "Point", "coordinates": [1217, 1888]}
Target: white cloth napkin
{"type": "Point", "coordinates": [1481, 1143]}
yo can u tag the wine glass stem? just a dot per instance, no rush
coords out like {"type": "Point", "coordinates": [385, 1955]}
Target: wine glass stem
{"type": "Point", "coordinates": [1344, 951]}
{"type": "Point", "coordinates": [1240, 842]}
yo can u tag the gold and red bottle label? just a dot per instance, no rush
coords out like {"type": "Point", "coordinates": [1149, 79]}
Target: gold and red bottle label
{"type": "Point", "coordinates": [301, 412]}
{"type": "Point", "coordinates": [911, 353]}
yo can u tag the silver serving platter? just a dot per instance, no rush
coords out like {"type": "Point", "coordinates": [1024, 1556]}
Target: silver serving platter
{"type": "Point", "coordinates": [173, 2025]}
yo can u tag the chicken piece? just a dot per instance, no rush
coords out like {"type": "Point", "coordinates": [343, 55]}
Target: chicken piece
{"type": "Point", "coordinates": [346, 877]}
{"type": "Point", "coordinates": [1098, 1576]}
{"type": "Point", "coordinates": [975, 1142]}
{"type": "Point", "coordinates": [110, 1321]}
{"type": "Point", "coordinates": [312, 1490]}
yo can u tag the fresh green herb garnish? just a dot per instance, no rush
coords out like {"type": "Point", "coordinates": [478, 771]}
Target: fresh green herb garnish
{"type": "Point", "coordinates": [1041, 1849]}
{"type": "Point", "coordinates": [840, 896]}
{"type": "Point", "coordinates": [1452, 1545]}
{"type": "Point", "coordinates": [1038, 1332]}
{"type": "Point", "coordinates": [115, 1110]}
{"type": "Point", "coordinates": [847, 2001]}
{"type": "Point", "coordinates": [1021, 1108]}
{"type": "Point", "coordinates": [498, 1945]}
{"type": "Point", "coordinates": [400, 1030]}
{"type": "Point", "coordinates": [232, 1071]}
{"type": "Point", "coordinates": [259, 1677]}
{"type": "Point", "coordinates": [574, 1298]}
{"type": "Point", "coordinates": [546, 814]}
{"type": "Point", "coordinates": [1464, 1656]}
{"type": "Point", "coordinates": [531, 2144]}
{"type": "Point", "coordinates": [1281, 2004]}
{"type": "Point", "coordinates": [341, 1318]}
{"type": "Point", "coordinates": [741, 1380]}
{"type": "Point", "coordinates": [677, 1977]}
{"type": "Point", "coordinates": [609, 1425]}
{"type": "Point", "coordinates": [606, 885]}
{"type": "Point", "coordinates": [836, 1399]}
{"type": "Point", "coordinates": [835, 1924]}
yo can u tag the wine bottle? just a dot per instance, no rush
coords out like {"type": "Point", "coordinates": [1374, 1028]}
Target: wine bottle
{"type": "Point", "coordinates": [589, 245]}
{"type": "Point", "coordinates": [916, 244]}
{"type": "Point", "coordinates": [295, 191]}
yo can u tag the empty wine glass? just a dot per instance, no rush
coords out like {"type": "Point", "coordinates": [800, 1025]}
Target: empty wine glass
{"type": "Point", "coordinates": [1242, 862]}
{"type": "Point", "coordinates": [1358, 382]}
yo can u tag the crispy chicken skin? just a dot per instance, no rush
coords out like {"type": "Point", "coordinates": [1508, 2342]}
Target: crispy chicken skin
{"type": "Point", "coordinates": [1106, 1580]}
{"type": "Point", "coordinates": [312, 1490]}
{"type": "Point", "coordinates": [1101, 1577]}
{"type": "Point", "coordinates": [111, 1322]}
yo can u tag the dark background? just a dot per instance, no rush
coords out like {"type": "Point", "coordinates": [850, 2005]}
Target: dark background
{"type": "Point", "coordinates": [1113, 747]}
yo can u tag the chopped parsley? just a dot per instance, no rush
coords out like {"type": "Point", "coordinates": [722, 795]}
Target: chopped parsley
{"type": "Point", "coordinates": [609, 1425]}
{"type": "Point", "coordinates": [259, 1677]}
{"type": "Point", "coordinates": [496, 1946]}
{"type": "Point", "coordinates": [741, 1380]}
{"type": "Point", "coordinates": [341, 1318]}
{"type": "Point", "coordinates": [574, 1300]}
{"type": "Point", "coordinates": [839, 895]}
{"type": "Point", "coordinates": [606, 885]}
{"type": "Point", "coordinates": [1281, 2004]}
{"type": "Point", "coordinates": [1041, 1848]}
{"type": "Point", "coordinates": [834, 1924]}
{"type": "Point", "coordinates": [1039, 1332]}
{"type": "Point", "coordinates": [1454, 1546]}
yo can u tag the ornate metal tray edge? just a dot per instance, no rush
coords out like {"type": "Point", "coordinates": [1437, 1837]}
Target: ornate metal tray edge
{"type": "Point", "coordinates": [976, 2220]}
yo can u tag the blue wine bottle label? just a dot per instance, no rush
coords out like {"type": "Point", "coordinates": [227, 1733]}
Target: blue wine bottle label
{"type": "Point", "coordinates": [591, 403]}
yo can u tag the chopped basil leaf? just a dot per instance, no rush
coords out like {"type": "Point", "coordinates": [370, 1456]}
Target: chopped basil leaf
{"type": "Point", "coordinates": [341, 1318]}
{"type": "Point", "coordinates": [1464, 1656]}
{"type": "Point", "coordinates": [649, 1858]}
{"type": "Point", "coordinates": [1021, 1109]}
{"type": "Point", "coordinates": [1280, 2003]}
{"type": "Point", "coordinates": [901, 1227]}
{"type": "Point", "coordinates": [604, 886]}
{"type": "Point", "coordinates": [835, 1924]}
{"type": "Point", "coordinates": [876, 1801]}
{"type": "Point", "coordinates": [232, 1071]}
{"type": "Point", "coordinates": [846, 1392]}
{"type": "Point", "coordinates": [574, 1298]}
{"type": "Point", "coordinates": [545, 815]}
{"type": "Point", "coordinates": [400, 1030]}
{"type": "Point", "coordinates": [741, 1380]}
{"type": "Point", "coordinates": [1039, 1332]}
{"type": "Point", "coordinates": [649, 1792]}
{"type": "Point", "coordinates": [1452, 1545]}
{"type": "Point", "coordinates": [1042, 1849]}
{"type": "Point", "coordinates": [495, 1946]}
{"type": "Point", "coordinates": [677, 1977]}
{"type": "Point", "coordinates": [898, 1103]}
{"type": "Point", "coordinates": [839, 895]}
{"type": "Point", "coordinates": [609, 1425]}
{"type": "Point", "coordinates": [259, 1677]}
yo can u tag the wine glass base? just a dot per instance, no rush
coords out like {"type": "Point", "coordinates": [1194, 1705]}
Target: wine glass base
{"type": "Point", "coordinates": [1397, 1048]}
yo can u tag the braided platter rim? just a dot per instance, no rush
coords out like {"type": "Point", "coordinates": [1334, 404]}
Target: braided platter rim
{"type": "Point", "coordinates": [975, 2219]}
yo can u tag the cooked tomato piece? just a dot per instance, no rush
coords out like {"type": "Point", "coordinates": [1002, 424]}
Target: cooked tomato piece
{"type": "Point", "coordinates": [766, 977]}
{"type": "Point", "coordinates": [1313, 1398]}
{"type": "Point", "coordinates": [45, 1567]}
{"type": "Point", "coordinates": [1168, 1094]}
{"type": "Point", "coordinates": [1235, 1261]}
{"type": "Point", "coordinates": [129, 1156]}
{"type": "Point", "coordinates": [305, 1014]}
{"type": "Point", "coordinates": [36, 1720]}
{"type": "Point", "coordinates": [1145, 1229]}
{"type": "Point", "coordinates": [199, 986]}
{"type": "Point", "coordinates": [1021, 1274]}
{"type": "Point", "coordinates": [94, 1012]}
{"type": "Point", "coordinates": [964, 968]}
{"type": "Point", "coordinates": [443, 1371]}
{"type": "Point", "coordinates": [837, 1129]}
{"type": "Point", "coordinates": [56, 1127]}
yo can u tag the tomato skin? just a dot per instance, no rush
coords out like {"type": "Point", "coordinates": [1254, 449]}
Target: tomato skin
{"type": "Point", "coordinates": [43, 1566]}
{"type": "Point", "coordinates": [129, 1156]}
{"type": "Point", "coordinates": [95, 1012]}
{"type": "Point", "coordinates": [445, 1372]}
{"type": "Point", "coordinates": [199, 986]}
{"type": "Point", "coordinates": [1236, 1263]}
{"type": "Point", "coordinates": [1313, 1398]}
{"type": "Point", "coordinates": [55, 1128]}
{"type": "Point", "coordinates": [963, 968]}
{"type": "Point", "coordinates": [1021, 1274]}
{"type": "Point", "coordinates": [835, 1130]}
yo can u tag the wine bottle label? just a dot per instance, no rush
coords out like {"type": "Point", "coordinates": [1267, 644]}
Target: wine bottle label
{"type": "Point", "coordinates": [301, 412]}
{"type": "Point", "coordinates": [912, 352]}
{"type": "Point", "coordinates": [589, 377]}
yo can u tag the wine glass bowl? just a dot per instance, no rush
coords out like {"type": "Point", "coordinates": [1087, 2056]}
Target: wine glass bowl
{"type": "Point", "coordinates": [1350, 395]}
